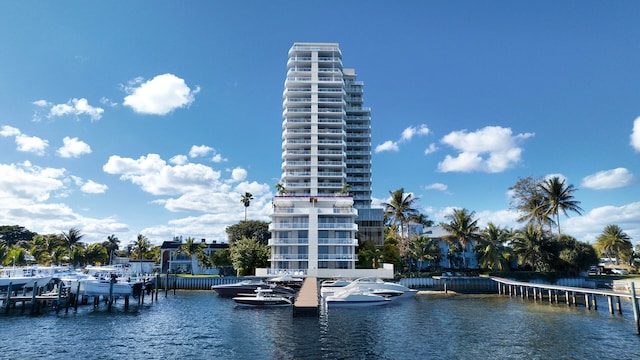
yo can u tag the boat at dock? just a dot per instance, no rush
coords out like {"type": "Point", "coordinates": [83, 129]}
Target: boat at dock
{"type": "Point", "coordinates": [355, 297]}
{"type": "Point", "coordinates": [371, 285]}
{"type": "Point", "coordinates": [24, 277]}
{"type": "Point", "coordinates": [263, 297]}
{"type": "Point", "coordinates": [249, 286]}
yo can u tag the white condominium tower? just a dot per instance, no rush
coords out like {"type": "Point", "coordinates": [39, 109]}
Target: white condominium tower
{"type": "Point", "coordinates": [326, 166]}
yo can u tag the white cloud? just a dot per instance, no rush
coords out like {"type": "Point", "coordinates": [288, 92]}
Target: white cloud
{"type": "Point", "coordinates": [156, 177]}
{"type": "Point", "coordinates": [635, 135]}
{"type": "Point", "coordinates": [590, 225]}
{"type": "Point", "coordinates": [407, 134]}
{"type": "Point", "coordinates": [431, 149]}
{"type": "Point", "coordinates": [9, 131]}
{"type": "Point", "coordinates": [238, 174]}
{"type": "Point", "coordinates": [107, 102]}
{"type": "Point", "coordinates": [74, 107]}
{"type": "Point", "coordinates": [160, 95]}
{"type": "Point", "coordinates": [179, 160]}
{"type": "Point", "coordinates": [387, 146]}
{"type": "Point", "coordinates": [609, 179]}
{"type": "Point", "coordinates": [32, 144]}
{"type": "Point", "coordinates": [201, 150]}
{"type": "Point", "coordinates": [26, 182]}
{"type": "Point", "coordinates": [217, 158]}
{"type": "Point", "coordinates": [41, 103]}
{"type": "Point", "coordinates": [411, 131]}
{"type": "Point", "coordinates": [436, 186]}
{"type": "Point", "coordinates": [495, 143]}
{"type": "Point", "coordinates": [73, 148]}
{"type": "Point", "coordinates": [92, 187]}
{"type": "Point", "coordinates": [194, 188]}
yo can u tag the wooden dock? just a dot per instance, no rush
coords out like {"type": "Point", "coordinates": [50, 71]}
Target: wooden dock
{"type": "Point", "coordinates": [307, 302]}
{"type": "Point", "coordinates": [569, 295]}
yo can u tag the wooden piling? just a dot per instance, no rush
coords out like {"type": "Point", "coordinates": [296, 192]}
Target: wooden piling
{"type": "Point", "coordinates": [634, 303]}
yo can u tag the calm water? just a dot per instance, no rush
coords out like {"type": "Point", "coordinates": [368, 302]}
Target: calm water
{"type": "Point", "coordinates": [200, 325]}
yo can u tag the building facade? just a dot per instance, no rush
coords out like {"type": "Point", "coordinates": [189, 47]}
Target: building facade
{"type": "Point", "coordinates": [326, 166]}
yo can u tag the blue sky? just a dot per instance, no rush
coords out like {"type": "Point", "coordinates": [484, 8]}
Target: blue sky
{"type": "Point", "coordinates": [154, 117]}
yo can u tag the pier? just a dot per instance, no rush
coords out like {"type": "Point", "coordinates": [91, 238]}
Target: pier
{"type": "Point", "coordinates": [307, 302]}
{"type": "Point", "coordinates": [569, 295]}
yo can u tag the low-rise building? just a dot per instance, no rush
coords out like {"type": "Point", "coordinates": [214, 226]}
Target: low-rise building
{"type": "Point", "coordinates": [174, 261]}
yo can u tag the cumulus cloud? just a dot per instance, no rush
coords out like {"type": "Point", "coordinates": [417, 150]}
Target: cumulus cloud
{"type": "Point", "coordinates": [92, 187]}
{"type": "Point", "coordinates": [608, 179]}
{"type": "Point", "coordinates": [160, 95]}
{"type": "Point", "coordinates": [411, 131]}
{"type": "Point", "coordinates": [25, 182]}
{"type": "Point", "coordinates": [217, 158]}
{"type": "Point", "coordinates": [635, 135]}
{"type": "Point", "coordinates": [25, 143]}
{"type": "Point", "coordinates": [406, 135]}
{"type": "Point", "coordinates": [75, 107]}
{"type": "Point", "coordinates": [238, 174]}
{"type": "Point", "coordinates": [491, 149]}
{"type": "Point", "coordinates": [9, 131]}
{"type": "Point", "coordinates": [31, 144]}
{"type": "Point", "coordinates": [179, 160]}
{"type": "Point", "coordinates": [387, 146]}
{"type": "Point", "coordinates": [73, 148]}
{"type": "Point", "coordinates": [201, 150]}
{"type": "Point", "coordinates": [193, 188]}
{"type": "Point", "coordinates": [590, 225]}
{"type": "Point", "coordinates": [431, 149]}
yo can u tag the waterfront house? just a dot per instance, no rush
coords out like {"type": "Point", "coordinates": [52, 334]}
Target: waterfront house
{"type": "Point", "coordinates": [174, 261]}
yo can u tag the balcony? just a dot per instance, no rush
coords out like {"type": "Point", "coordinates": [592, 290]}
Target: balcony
{"type": "Point", "coordinates": [287, 226]}
{"type": "Point", "coordinates": [353, 242]}
{"type": "Point", "coordinates": [341, 226]}
{"type": "Point", "coordinates": [337, 257]}
{"type": "Point", "coordinates": [292, 257]}
{"type": "Point", "coordinates": [289, 241]}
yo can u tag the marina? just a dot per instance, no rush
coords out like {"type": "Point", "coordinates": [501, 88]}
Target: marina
{"type": "Point", "coordinates": [202, 325]}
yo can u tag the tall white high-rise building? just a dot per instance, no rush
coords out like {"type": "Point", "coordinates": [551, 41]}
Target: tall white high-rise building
{"type": "Point", "coordinates": [326, 166]}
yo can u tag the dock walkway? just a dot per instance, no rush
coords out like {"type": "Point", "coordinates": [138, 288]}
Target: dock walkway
{"type": "Point", "coordinates": [307, 302]}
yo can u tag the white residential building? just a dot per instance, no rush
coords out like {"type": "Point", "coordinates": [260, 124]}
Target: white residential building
{"type": "Point", "coordinates": [326, 167]}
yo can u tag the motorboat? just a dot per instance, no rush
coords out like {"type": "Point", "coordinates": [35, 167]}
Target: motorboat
{"type": "Point", "coordinates": [24, 277]}
{"type": "Point", "coordinates": [96, 281]}
{"type": "Point", "coordinates": [287, 280]}
{"type": "Point", "coordinates": [373, 285]}
{"type": "Point", "coordinates": [249, 286]}
{"type": "Point", "coordinates": [355, 298]}
{"type": "Point", "coordinates": [330, 286]}
{"type": "Point", "coordinates": [263, 297]}
{"type": "Point", "coordinates": [105, 287]}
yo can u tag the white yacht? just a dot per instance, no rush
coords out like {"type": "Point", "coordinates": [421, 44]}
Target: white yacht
{"type": "Point", "coordinates": [371, 285]}
{"type": "Point", "coordinates": [355, 298]}
{"type": "Point", "coordinates": [24, 277]}
{"type": "Point", "coordinates": [263, 297]}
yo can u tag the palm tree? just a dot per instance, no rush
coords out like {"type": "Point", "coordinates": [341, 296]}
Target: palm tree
{"type": "Point", "coordinates": [191, 248]}
{"type": "Point", "coordinates": [112, 244]}
{"type": "Point", "coordinates": [558, 198]}
{"type": "Point", "coordinates": [613, 242]}
{"type": "Point", "coordinates": [71, 239]}
{"type": "Point", "coordinates": [280, 188]}
{"type": "Point", "coordinates": [494, 254]}
{"type": "Point", "coordinates": [533, 248]}
{"type": "Point", "coordinates": [400, 208]}
{"type": "Point", "coordinates": [246, 200]}
{"type": "Point", "coordinates": [141, 246]}
{"type": "Point", "coordinates": [462, 228]}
